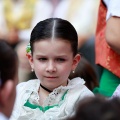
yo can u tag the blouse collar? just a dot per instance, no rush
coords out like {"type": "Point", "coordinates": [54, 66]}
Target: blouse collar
{"type": "Point", "coordinates": [34, 86]}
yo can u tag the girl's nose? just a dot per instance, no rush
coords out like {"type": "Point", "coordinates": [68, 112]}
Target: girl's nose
{"type": "Point", "coordinates": [51, 67]}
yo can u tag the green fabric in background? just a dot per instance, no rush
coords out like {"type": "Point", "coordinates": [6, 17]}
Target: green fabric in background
{"type": "Point", "coordinates": [108, 84]}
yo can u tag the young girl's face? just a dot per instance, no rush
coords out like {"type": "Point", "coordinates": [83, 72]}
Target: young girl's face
{"type": "Point", "coordinates": [53, 61]}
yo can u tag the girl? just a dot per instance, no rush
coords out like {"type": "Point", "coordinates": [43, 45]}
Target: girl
{"type": "Point", "coordinates": [52, 54]}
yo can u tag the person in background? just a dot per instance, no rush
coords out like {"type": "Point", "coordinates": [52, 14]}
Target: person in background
{"type": "Point", "coordinates": [85, 70]}
{"type": "Point", "coordinates": [97, 108]}
{"type": "Point", "coordinates": [52, 54]}
{"type": "Point", "coordinates": [16, 17]}
{"type": "Point", "coordinates": [8, 79]}
{"type": "Point", "coordinates": [108, 46]}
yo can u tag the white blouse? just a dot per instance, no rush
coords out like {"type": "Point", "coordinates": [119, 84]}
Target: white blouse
{"type": "Point", "coordinates": [3, 117]}
{"type": "Point", "coordinates": [58, 105]}
{"type": "Point", "coordinates": [113, 7]}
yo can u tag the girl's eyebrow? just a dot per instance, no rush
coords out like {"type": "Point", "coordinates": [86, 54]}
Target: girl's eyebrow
{"type": "Point", "coordinates": [62, 56]}
{"type": "Point", "coordinates": [41, 55]}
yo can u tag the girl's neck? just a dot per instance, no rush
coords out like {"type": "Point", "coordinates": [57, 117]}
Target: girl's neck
{"type": "Point", "coordinates": [43, 94]}
{"type": "Point", "coordinates": [49, 91]}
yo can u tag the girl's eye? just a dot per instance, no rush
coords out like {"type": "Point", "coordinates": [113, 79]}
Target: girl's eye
{"type": "Point", "coordinates": [60, 59]}
{"type": "Point", "coordinates": [42, 59]}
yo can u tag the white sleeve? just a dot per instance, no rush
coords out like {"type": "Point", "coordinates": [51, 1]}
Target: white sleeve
{"type": "Point", "coordinates": [113, 7]}
{"type": "Point", "coordinates": [116, 92]}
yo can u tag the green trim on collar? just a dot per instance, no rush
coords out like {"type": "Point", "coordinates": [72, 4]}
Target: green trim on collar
{"type": "Point", "coordinates": [43, 109]}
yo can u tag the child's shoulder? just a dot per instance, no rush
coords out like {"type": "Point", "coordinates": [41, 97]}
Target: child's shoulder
{"type": "Point", "coordinates": [80, 88]}
{"type": "Point", "coordinates": [28, 84]}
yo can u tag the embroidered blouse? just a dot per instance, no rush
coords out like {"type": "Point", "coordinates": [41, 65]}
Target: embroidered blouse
{"type": "Point", "coordinates": [58, 105]}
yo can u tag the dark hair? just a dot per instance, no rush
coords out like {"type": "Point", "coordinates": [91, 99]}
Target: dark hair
{"type": "Point", "coordinates": [56, 27]}
{"type": "Point", "coordinates": [8, 62]}
{"type": "Point", "coordinates": [87, 72]}
{"type": "Point", "coordinates": [97, 108]}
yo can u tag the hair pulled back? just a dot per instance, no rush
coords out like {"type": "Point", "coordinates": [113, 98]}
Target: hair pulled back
{"type": "Point", "coordinates": [55, 28]}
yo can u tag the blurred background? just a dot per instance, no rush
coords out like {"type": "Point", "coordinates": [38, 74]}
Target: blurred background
{"type": "Point", "coordinates": [18, 17]}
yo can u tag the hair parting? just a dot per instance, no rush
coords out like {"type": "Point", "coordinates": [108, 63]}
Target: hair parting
{"type": "Point", "coordinates": [53, 30]}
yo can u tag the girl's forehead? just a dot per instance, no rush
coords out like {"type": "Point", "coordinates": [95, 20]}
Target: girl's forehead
{"type": "Point", "coordinates": [56, 46]}
{"type": "Point", "coordinates": [52, 41]}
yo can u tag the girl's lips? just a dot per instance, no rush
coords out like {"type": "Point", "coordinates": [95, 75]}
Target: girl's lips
{"type": "Point", "coordinates": [51, 77]}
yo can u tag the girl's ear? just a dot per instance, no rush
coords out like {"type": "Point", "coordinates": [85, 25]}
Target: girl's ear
{"type": "Point", "coordinates": [6, 92]}
{"type": "Point", "coordinates": [76, 61]}
{"type": "Point", "coordinates": [30, 58]}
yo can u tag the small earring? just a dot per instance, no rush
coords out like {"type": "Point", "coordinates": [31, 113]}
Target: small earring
{"type": "Point", "coordinates": [73, 71]}
{"type": "Point", "coordinates": [32, 70]}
